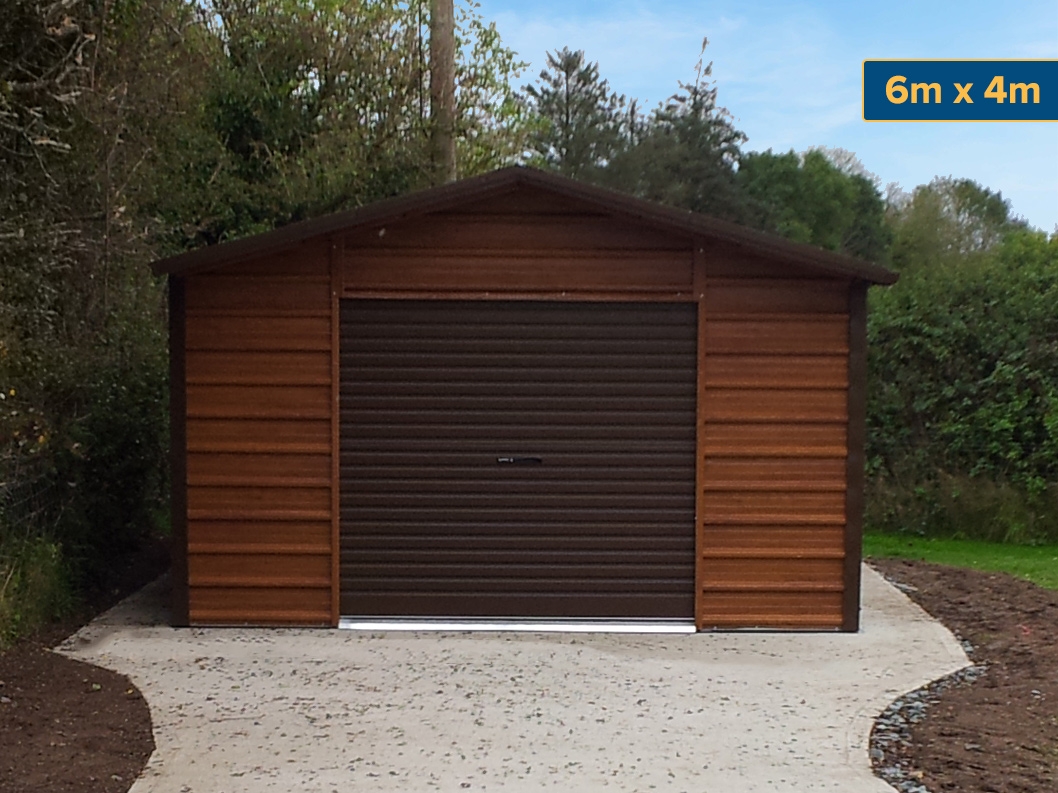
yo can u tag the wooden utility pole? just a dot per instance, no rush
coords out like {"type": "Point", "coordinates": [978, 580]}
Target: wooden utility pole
{"type": "Point", "coordinates": [443, 89]}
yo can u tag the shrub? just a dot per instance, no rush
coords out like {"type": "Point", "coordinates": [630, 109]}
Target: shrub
{"type": "Point", "coordinates": [963, 395]}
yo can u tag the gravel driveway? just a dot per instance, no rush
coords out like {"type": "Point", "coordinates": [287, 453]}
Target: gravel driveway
{"type": "Point", "coordinates": [322, 710]}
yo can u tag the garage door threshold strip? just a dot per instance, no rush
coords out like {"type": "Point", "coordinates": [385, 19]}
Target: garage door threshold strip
{"type": "Point", "coordinates": [524, 625]}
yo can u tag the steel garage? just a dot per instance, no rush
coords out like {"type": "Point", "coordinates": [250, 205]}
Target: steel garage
{"type": "Point", "coordinates": [517, 396]}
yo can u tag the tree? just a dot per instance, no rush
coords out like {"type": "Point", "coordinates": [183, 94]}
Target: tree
{"type": "Point", "coordinates": [685, 153]}
{"type": "Point", "coordinates": [130, 129]}
{"type": "Point", "coordinates": [311, 106]}
{"type": "Point", "coordinates": [946, 221]}
{"type": "Point", "coordinates": [583, 124]}
{"type": "Point", "coordinates": [809, 199]}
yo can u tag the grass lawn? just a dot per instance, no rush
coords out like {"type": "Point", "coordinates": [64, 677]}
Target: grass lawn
{"type": "Point", "coordinates": [1038, 564]}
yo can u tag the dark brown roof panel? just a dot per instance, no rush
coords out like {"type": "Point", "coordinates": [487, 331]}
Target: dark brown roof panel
{"type": "Point", "coordinates": [507, 180]}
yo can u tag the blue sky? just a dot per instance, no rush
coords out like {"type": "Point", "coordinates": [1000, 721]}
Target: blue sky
{"type": "Point", "coordinates": [790, 75]}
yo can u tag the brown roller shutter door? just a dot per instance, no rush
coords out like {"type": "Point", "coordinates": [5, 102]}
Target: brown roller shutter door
{"type": "Point", "coordinates": [517, 459]}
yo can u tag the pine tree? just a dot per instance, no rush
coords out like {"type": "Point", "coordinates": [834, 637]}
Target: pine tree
{"type": "Point", "coordinates": [584, 124]}
{"type": "Point", "coordinates": [685, 153]}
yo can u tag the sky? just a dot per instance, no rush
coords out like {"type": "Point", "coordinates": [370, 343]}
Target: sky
{"type": "Point", "coordinates": [789, 73]}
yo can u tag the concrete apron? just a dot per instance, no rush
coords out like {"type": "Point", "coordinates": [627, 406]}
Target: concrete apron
{"type": "Point", "coordinates": [322, 710]}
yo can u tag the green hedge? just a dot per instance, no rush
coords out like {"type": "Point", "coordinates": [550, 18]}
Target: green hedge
{"type": "Point", "coordinates": [963, 396]}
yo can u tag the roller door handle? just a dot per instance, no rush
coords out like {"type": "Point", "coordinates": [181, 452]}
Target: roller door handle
{"type": "Point", "coordinates": [520, 460]}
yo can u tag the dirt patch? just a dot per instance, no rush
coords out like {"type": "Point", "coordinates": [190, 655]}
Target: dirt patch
{"type": "Point", "coordinates": [996, 730]}
{"type": "Point", "coordinates": [68, 726]}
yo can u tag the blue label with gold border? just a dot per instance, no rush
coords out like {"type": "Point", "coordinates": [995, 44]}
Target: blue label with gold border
{"type": "Point", "coordinates": [970, 90]}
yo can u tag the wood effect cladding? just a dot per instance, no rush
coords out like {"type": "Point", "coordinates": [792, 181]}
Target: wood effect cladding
{"type": "Point", "coordinates": [520, 246]}
{"type": "Point", "coordinates": [258, 355]}
{"type": "Point", "coordinates": [774, 391]}
{"type": "Point", "coordinates": [779, 426]}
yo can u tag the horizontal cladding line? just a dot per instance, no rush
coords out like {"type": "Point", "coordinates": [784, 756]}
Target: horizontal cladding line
{"type": "Point", "coordinates": [237, 480]}
{"type": "Point", "coordinates": [756, 519]}
{"type": "Point", "coordinates": [735, 453]}
{"type": "Point", "coordinates": [747, 385]}
{"type": "Point", "coordinates": [768, 623]}
{"type": "Point", "coordinates": [269, 415]}
{"type": "Point", "coordinates": [200, 616]}
{"type": "Point", "coordinates": [262, 380]}
{"type": "Point", "coordinates": [258, 515]}
{"type": "Point", "coordinates": [263, 279]}
{"type": "Point", "coordinates": [791, 457]}
{"type": "Point", "coordinates": [255, 582]}
{"type": "Point", "coordinates": [807, 486]}
{"type": "Point", "coordinates": [782, 554]}
{"type": "Point", "coordinates": [826, 423]}
{"type": "Point", "coordinates": [257, 313]}
{"type": "Point", "coordinates": [831, 358]}
{"type": "Point", "coordinates": [251, 447]}
{"type": "Point", "coordinates": [832, 317]}
{"type": "Point", "coordinates": [222, 345]}
{"type": "Point", "coordinates": [771, 586]}
{"type": "Point", "coordinates": [255, 549]}
{"type": "Point", "coordinates": [678, 255]}
{"type": "Point", "coordinates": [628, 295]}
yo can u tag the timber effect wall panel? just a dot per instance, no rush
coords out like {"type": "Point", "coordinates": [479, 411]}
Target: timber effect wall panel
{"type": "Point", "coordinates": [522, 247]}
{"type": "Point", "coordinates": [775, 383]}
{"type": "Point", "coordinates": [259, 451]}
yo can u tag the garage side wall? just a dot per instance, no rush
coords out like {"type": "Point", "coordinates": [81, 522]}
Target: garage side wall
{"type": "Point", "coordinates": [774, 443]}
{"type": "Point", "coordinates": [259, 442]}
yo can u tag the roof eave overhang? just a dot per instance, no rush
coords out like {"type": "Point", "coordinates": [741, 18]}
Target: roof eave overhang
{"type": "Point", "coordinates": [695, 226]}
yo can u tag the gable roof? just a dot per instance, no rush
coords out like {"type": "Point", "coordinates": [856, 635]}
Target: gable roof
{"type": "Point", "coordinates": [508, 180]}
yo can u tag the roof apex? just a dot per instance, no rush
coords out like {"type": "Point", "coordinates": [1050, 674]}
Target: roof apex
{"type": "Point", "coordinates": [507, 180]}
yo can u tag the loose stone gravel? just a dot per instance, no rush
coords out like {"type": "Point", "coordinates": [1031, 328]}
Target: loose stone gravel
{"type": "Point", "coordinates": [892, 729]}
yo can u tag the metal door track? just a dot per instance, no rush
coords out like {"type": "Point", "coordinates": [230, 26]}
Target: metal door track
{"type": "Point", "coordinates": [525, 626]}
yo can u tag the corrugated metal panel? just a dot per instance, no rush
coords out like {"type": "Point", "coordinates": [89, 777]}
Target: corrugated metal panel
{"type": "Point", "coordinates": [258, 445]}
{"type": "Point", "coordinates": [518, 459]}
{"type": "Point", "coordinates": [775, 409]}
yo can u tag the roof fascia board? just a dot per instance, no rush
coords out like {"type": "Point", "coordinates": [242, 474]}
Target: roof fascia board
{"type": "Point", "coordinates": [504, 181]}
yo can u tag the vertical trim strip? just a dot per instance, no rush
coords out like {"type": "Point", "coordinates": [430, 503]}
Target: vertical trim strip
{"type": "Point", "coordinates": [699, 459]}
{"type": "Point", "coordinates": [336, 250]}
{"type": "Point", "coordinates": [181, 605]}
{"type": "Point", "coordinates": [854, 461]}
